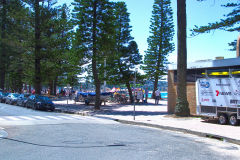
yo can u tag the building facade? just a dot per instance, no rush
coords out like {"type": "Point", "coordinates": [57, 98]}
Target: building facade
{"type": "Point", "coordinates": [218, 68]}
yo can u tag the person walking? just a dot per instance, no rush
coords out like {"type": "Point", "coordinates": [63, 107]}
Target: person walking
{"type": "Point", "coordinates": [139, 95]}
{"type": "Point", "coordinates": [157, 96]}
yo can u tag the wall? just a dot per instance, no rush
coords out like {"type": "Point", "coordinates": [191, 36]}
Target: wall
{"type": "Point", "coordinates": [172, 94]}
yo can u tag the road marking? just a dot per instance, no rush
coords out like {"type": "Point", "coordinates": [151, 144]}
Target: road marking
{"type": "Point", "coordinates": [13, 118]}
{"type": "Point", "coordinates": [39, 118]}
{"type": "Point", "coordinates": [52, 117]}
{"type": "Point", "coordinates": [26, 118]}
{"type": "Point", "coordinates": [65, 117]}
{"type": "Point", "coordinates": [77, 117]}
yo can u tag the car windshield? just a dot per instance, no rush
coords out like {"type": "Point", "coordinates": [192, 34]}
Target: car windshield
{"type": "Point", "coordinates": [5, 94]}
{"type": "Point", "coordinates": [26, 95]}
{"type": "Point", "coordinates": [43, 98]}
{"type": "Point", "coordinates": [15, 95]}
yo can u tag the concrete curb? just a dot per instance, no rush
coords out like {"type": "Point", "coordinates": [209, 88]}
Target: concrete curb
{"type": "Point", "coordinates": [201, 134]}
{"type": "Point", "coordinates": [72, 112]}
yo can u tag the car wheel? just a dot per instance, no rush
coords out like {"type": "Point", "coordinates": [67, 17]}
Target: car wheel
{"type": "Point", "coordinates": [86, 102]}
{"type": "Point", "coordinates": [35, 107]}
{"type": "Point", "coordinates": [233, 120]}
{"type": "Point", "coordinates": [222, 119]}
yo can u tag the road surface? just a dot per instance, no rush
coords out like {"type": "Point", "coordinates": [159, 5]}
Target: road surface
{"type": "Point", "coordinates": [53, 136]}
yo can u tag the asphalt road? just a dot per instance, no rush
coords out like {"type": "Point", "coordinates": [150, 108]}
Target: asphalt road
{"type": "Point", "coordinates": [36, 135]}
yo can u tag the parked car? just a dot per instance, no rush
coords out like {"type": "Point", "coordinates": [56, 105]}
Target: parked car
{"type": "Point", "coordinates": [22, 99]}
{"type": "Point", "coordinates": [11, 98]}
{"type": "Point", "coordinates": [38, 102]}
{"type": "Point", "coordinates": [3, 97]}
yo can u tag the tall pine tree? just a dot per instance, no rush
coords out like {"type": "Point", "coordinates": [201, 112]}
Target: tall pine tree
{"type": "Point", "coordinates": [182, 108]}
{"type": "Point", "coordinates": [229, 23]}
{"type": "Point", "coordinates": [14, 25]}
{"type": "Point", "coordinates": [121, 64]}
{"type": "Point", "coordinates": [94, 35]}
{"type": "Point", "coordinates": [160, 41]}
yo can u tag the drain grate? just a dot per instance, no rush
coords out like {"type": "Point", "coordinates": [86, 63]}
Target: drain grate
{"type": "Point", "coordinates": [116, 145]}
{"type": "Point", "coordinates": [214, 137]}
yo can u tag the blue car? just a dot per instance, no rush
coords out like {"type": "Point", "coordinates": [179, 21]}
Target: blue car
{"type": "Point", "coordinates": [22, 99]}
{"type": "Point", "coordinates": [39, 102]}
{"type": "Point", "coordinates": [3, 97]}
{"type": "Point", "coordinates": [12, 98]}
{"type": "Point", "coordinates": [91, 96]}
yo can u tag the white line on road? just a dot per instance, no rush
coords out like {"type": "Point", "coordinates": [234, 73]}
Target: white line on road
{"type": "Point", "coordinates": [39, 117]}
{"type": "Point", "coordinates": [13, 118]}
{"type": "Point", "coordinates": [52, 117]}
{"type": "Point", "coordinates": [77, 117]}
{"type": "Point", "coordinates": [65, 117]}
{"type": "Point", "coordinates": [26, 118]}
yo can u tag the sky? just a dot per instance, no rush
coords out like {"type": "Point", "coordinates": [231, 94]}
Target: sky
{"type": "Point", "coordinates": [203, 46]}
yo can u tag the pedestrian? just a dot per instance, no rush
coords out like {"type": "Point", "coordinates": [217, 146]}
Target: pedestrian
{"type": "Point", "coordinates": [48, 92]}
{"type": "Point", "coordinates": [157, 96]}
{"type": "Point", "coordinates": [139, 95]}
{"type": "Point", "coordinates": [33, 91]}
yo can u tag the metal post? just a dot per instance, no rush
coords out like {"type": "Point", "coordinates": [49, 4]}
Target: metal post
{"type": "Point", "coordinates": [134, 111]}
{"type": "Point", "coordinates": [105, 73]}
{"type": "Point", "coordinates": [68, 85]}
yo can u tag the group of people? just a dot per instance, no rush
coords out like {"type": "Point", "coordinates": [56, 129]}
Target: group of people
{"type": "Point", "coordinates": [143, 95]}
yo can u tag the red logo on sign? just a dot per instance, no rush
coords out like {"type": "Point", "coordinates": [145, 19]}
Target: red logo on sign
{"type": "Point", "coordinates": [205, 100]}
{"type": "Point", "coordinates": [223, 93]}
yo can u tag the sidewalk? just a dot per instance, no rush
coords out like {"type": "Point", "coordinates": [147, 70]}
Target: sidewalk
{"type": "Point", "coordinates": [155, 116]}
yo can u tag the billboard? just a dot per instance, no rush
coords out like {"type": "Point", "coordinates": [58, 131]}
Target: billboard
{"type": "Point", "coordinates": [221, 92]}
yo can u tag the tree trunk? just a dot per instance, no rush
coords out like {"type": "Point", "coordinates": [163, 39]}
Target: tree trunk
{"type": "Point", "coordinates": [129, 91]}
{"type": "Point", "coordinates": [50, 84]}
{"type": "Point", "coordinates": [55, 86]}
{"type": "Point", "coordinates": [30, 88]}
{"type": "Point", "coordinates": [19, 83]}
{"type": "Point", "coordinates": [181, 108]}
{"type": "Point", "coordinates": [37, 82]}
{"type": "Point", "coordinates": [94, 58]}
{"type": "Point", "coordinates": [155, 86]}
{"type": "Point", "coordinates": [3, 49]}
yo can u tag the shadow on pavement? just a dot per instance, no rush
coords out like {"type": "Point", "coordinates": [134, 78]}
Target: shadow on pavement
{"type": "Point", "coordinates": [137, 113]}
